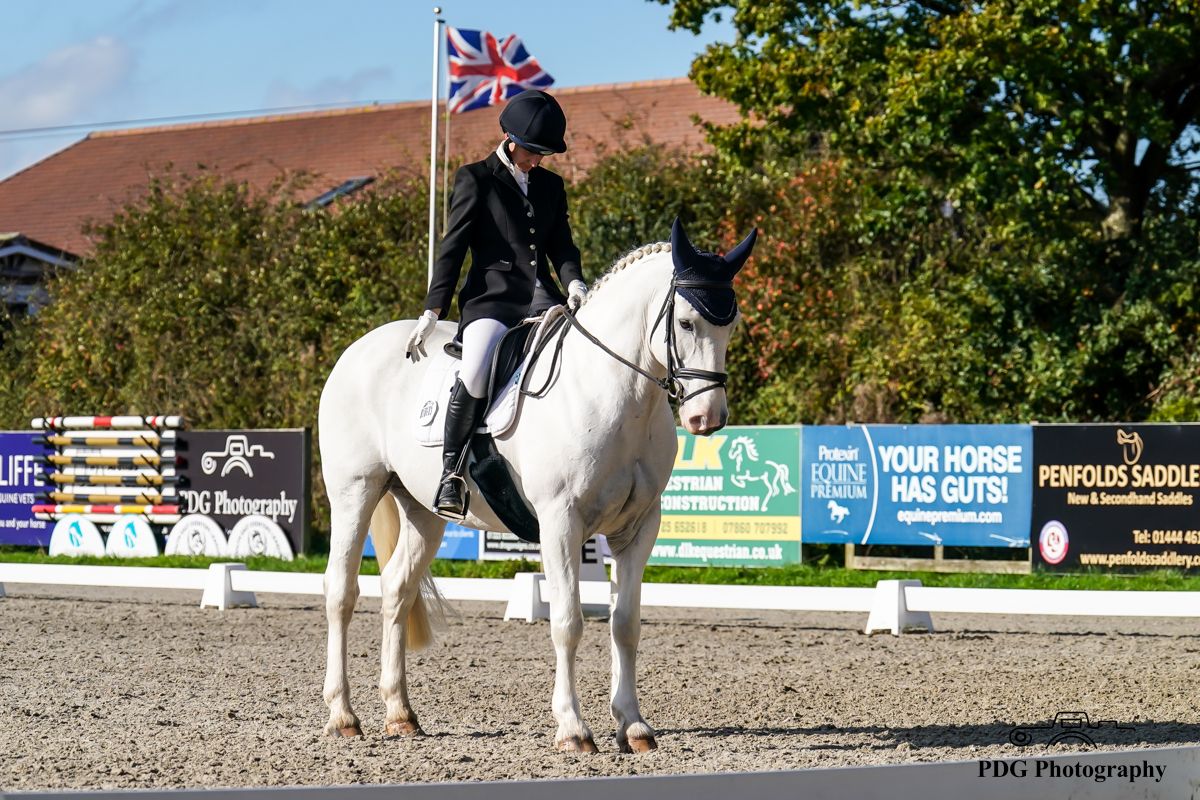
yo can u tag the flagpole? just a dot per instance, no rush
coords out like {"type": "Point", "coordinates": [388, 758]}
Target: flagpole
{"type": "Point", "coordinates": [433, 137]}
{"type": "Point", "coordinates": [446, 163]}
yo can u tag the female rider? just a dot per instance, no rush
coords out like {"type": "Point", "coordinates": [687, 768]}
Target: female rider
{"type": "Point", "coordinates": [511, 214]}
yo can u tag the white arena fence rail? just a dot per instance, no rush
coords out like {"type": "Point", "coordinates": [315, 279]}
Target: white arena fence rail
{"type": "Point", "coordinates": [893, 605]}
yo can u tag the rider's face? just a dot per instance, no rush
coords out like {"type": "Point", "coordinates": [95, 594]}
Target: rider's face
{"type": "Point", "coordinates": [523, 159]}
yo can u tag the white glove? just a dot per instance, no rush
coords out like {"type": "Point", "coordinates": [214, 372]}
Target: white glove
{"type": "Point", "coordinates": [416, 340]}
{"type": "Point", "coordinates": [575, 294]}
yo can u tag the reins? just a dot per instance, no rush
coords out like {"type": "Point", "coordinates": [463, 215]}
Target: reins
{"type": "Point", "coordinates": [676, 372]}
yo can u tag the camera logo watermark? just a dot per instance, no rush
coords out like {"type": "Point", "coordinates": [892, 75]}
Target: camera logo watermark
{"type": "Point", "coordinates": [1069, 727]}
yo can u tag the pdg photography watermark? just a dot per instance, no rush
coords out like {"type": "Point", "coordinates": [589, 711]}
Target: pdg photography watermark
{"type": "Point", "coordinates": [1053, 768]}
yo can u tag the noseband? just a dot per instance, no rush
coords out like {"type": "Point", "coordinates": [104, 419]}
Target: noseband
{"type": "Point", "coordinates": [676, 372]}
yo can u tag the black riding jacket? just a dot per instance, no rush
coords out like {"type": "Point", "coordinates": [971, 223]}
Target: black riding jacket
{"type": "Point", "coordinates": [513, 240]}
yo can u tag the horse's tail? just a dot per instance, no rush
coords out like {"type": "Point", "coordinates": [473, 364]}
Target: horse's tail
{"type": "Point", "coordinates": [385, 529]}
{"type": "Point", "coordinates": [421, 619]}
{"type": "Point", "coordinates": [385, 533]}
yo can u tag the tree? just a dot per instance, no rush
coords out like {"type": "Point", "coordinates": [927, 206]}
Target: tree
{"type": "Point", "coordinates": [230, 307]}
{"type": "Point", "coordinates": [1059, 138]}
{"type": "Point", "coordinates": [1093, 101]}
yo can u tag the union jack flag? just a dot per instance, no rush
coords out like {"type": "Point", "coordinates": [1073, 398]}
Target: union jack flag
{"type": "Point", "coordinates": [486, 72]}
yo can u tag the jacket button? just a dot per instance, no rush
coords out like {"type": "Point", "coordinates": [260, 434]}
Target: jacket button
{"type": "Point", "coordinates": [531, 230]}
{"type": "Point", "coordinates": [529, 213]}
{"type": "Point", "coordinates": [533, 263]}
{"type": "Point", "coordinates": [533, 247]}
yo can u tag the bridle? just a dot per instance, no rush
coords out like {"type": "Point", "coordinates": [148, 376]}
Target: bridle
{"type": "Point", "coordinates": [677, 373]}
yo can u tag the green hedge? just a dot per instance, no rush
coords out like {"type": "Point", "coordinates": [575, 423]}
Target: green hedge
{"type": "Point", "coordinates": [231, 307]}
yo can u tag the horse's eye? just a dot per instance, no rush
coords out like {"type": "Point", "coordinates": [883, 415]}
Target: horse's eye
{"type": "Point", "coordinates": [686, 324]}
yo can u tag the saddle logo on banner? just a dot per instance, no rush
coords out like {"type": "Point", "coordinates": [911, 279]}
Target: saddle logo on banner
{"type": "Point", "coordinates": [237, 454]}
{"type": "Point", "coordinates": [1131, 446]}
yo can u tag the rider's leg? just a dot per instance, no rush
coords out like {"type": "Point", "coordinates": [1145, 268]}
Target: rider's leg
{"type": "Point", "coordinates": [465, 411]}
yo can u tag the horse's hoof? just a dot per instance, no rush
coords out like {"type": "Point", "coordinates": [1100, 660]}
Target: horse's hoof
{"type": "Point", "coordinates": [643, 744]}
{"type": "Point", "coordinates": [574, 744]}
{"type": "Point", "coordinates": [404, 729]}
{"type": "Point", "coordinates": [348, 732]}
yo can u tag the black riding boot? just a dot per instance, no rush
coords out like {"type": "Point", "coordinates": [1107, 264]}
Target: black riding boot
{"type": "Point", "coordinates": [463, 414]}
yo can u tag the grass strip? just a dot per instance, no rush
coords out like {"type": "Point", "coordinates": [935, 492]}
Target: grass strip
{"type": "Point", "coordinates": [793, 575]}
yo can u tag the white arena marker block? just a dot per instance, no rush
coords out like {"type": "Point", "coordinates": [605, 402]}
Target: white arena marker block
{"type": "Point", "coordinates": [889, 610]}
{"type": "Point", "coordinates": [219, 592]}
{"type": "Point", "coordinates": [526, 601]}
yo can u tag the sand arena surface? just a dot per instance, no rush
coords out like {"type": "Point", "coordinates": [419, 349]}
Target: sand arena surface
{"type": "Point", "coordinates": [142, 689]}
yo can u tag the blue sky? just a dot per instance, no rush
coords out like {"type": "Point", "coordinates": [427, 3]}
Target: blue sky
{"type": "Point", "coordinates": [72, 62]}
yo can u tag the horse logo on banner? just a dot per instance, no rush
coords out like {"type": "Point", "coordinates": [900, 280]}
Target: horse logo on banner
{"type": "Point", "coordinates": [775, 478]}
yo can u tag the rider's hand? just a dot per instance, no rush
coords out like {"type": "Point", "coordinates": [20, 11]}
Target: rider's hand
{"type": "Point", "coordinates": [575, 294]}
{"type": "Point", "coordinates": [416, 340]}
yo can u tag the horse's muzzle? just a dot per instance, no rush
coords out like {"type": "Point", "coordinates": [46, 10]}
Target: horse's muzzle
{"type": "Point", "coordinates": [700, 425]}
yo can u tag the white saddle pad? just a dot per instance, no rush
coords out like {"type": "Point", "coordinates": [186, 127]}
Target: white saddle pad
{"type": "Point", "coordinates": [429, 427]}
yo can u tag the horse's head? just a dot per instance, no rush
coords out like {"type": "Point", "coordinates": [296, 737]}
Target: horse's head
{"type": "Point", "coordinates": [699, 320]}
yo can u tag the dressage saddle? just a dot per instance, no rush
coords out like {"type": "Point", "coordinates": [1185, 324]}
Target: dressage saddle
{"type": "Point", "coordinates": [492, 473]}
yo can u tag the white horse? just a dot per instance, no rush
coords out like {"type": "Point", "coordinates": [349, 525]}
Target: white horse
{"type": "Point", "coordinates": [592, 455]}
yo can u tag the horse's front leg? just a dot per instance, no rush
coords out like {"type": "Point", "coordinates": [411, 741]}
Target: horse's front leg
{"type": "Point", "coordinates": [634, 735]}
{"type": "Point", "coordinates": [560, 559]}
{"type": "Point", "coordinates": [350, 505]}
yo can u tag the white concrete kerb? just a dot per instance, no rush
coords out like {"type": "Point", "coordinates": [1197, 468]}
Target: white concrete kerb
{"type": "Point", "coordinates": [526, 601]}
{"type": "Point", "coordinates": [219, 592]}
{"type": "Point", "coordinates": [531, 595]}
{"type": "Point", "coordinates": [889, 610]}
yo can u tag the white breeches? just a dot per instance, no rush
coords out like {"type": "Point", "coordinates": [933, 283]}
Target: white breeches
{"type": "Point", "coordinates": [479, 342]}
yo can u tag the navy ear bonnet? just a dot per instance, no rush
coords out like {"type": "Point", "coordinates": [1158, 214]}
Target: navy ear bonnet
{"type": "Point", "coordinates": [716, 304]}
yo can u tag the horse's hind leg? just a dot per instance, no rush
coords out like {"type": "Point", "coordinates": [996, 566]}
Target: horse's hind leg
{"type": "Point", "coordinates": [350, 504]}
{"type": "Point", "coordinates": [405, 614]}
{"type": "Point", "coordinates": [634, 735]}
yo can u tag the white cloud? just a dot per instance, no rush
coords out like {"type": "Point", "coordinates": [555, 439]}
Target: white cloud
{"type": "Point", "coordinates": [144, 19]}
{"type": "Point", "coordinates": [66, 85]}
{"type": "Point", "coordinates": [281, 94]}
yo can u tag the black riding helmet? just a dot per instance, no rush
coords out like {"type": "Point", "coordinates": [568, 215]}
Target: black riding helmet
{"type": "Point", "coordinates": [535, 121]}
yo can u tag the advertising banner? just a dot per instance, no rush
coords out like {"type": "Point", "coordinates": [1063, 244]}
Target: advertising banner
{"type": "Point", "coordinates": [733, 499]}
{"type": "Point", "coordinates": [1117, 497]}
{"type": "Point", "coordinates": [504, 546]}
{"type": "Point", "coordinates": [458, 543]}
{"type": "Point", "coordinates": [20, 483]}
{"type": "Point", "coordinates": [234, 474]}
{"type": "Point", "coordinates": [959, 485]}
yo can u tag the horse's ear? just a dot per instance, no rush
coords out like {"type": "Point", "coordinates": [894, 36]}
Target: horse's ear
{"type": "Point", "coordinates": [738, 255]}
{"type": "Point", "coordinates": [681, 246]}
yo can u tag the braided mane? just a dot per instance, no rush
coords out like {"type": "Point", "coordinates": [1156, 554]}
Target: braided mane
{"type": "Point", "coordinates": [636, 254]}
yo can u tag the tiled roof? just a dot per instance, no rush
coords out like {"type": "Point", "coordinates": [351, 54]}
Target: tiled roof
{"type": "Point", "coordinates": [52, 200]}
